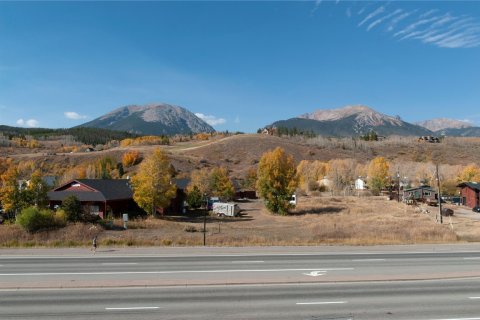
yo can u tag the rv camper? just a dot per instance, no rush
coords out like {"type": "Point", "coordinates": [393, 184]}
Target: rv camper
{"type": "Point", "coordinates": [226, 209]}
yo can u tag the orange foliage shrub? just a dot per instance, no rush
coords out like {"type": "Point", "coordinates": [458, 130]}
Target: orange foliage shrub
{"type": "Point", "coordinates": [202, 136]}
{"type": "Point", "coordinates": [131, 158]}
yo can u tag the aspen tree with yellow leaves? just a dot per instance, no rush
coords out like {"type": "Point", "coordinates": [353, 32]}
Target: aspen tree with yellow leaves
{"type": "Point", "coordinates": [277, 180]}
{"type": "Point", "coordinates": [470, 173]}
{"type": "Point", "coordinates": [153, 186]}
{"type": "Point", "coordinates": [378, 174]}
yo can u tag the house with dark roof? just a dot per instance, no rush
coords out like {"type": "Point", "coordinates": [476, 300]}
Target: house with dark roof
{"type": "Point", "coordinates": [97, 196]}
{"type": "Point", "coordinates": [470, 194]}
{"type": "Point", "coordinates": [177, 204]}
{"type": "Point", "coordinates": [422, 193]}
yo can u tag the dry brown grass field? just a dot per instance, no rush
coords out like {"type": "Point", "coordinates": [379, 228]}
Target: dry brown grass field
{"type": "Point", "coordinates": [315, 221]}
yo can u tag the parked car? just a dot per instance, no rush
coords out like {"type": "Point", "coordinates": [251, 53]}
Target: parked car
{"type": "Point", "coordinates": [476, 209]}
{"type": "Point", "coordinates": [211, 201]}
{"type": "Point", "coordinates": [293, 200]}
{"type": "Point", "coordinates": [457, 200]}
{"type": "Point", "coordinates": [447, 212]}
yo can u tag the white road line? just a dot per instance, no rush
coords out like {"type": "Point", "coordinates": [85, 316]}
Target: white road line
{"type": "Point", "coordinates": [188, 255]}
{"type": "Point", "coordinates": [319, 303]}
{"type": "Point", "coordinates": [246, 261]}
{"type": "Point", "coordinates": [474, 298]}
{"type": "Point", "coordinates": [168, 272]}
{"type": "Point", "coordinates": [132, 308]}
{"type": "Point", "coordinates": [471, 258]}
{"type": "Point", "coordinates": [458, 319]}
{"type": "Point", "coordinates": [119, 263]}
{"type": "Point", "coordinates": [368, 260]}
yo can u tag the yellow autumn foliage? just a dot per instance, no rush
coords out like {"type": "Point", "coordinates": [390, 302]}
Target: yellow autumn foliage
{"type": "Point", "coordinates": [277, 180]}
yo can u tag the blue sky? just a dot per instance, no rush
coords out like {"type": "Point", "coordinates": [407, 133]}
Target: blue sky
{"type": "Point", "coordinates": [241, 64]}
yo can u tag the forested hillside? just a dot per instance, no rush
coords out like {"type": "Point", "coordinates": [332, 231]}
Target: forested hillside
{"type": "Point", "coordinates": [91, 136]}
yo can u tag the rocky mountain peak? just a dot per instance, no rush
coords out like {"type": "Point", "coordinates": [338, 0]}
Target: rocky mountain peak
{"type": "Point", "coordinates": [364, 116]}
{"type": "Point", "coordinates": [444, 123]}
{"type": "Point", "coordinates": [156, 119]}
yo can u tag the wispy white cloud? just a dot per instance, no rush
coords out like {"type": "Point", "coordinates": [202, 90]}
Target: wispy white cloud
{"type": "Point", "coordinates": [428, 13]}
{"type": "Point", "coordinates": [380, 20]}
{"type": "Point", "coordinates": [211, 120]}
{"type": "Point", "coordinates": [237, 119]}
{"type": "Point", "coordinates": [414, 26]}
{"type": "Point", "coordinates": [449, 32]}
{"type": "Point", "coordinates": [372, 15]}
{"type": "Point", "coordinates": [441, 29]}
{"type": "Point", "coordinates": [74, 116]}
{"type": "Point", "coordinates": [317, 5]}
{"type": "Point", "coordinates": [398, 19]}
{"type": "Point", "coordinates": [31, 123]}
{"type": "Point", "coordinates": [348, 12]}
{"type": "Point", "coordinates": [362, 11]}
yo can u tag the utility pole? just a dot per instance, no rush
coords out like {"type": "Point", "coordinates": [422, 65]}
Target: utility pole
{"type": "Point", "coordinates": [439, 196]}
{"type": "Point", "coordinates": [205, 221]}
{"type": "Point", "coordinates": [398, 186]}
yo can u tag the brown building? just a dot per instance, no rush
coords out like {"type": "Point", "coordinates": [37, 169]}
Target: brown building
{"type": "Point", "coordinates": [420, 194]}
{"type": "Point", "coordinates": [97, 196]}
{"type": "Point", "coordinates": [470, 194]}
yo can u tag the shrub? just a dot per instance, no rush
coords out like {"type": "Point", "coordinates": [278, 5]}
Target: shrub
{"type": "Point", "coordinates": [131, 158]}
{"type": "Point", "coordinates": [313, 185]}
{"type": "Point", "coordinates": [194, 198]}
{"type": "Point", "coordinates": [72, 208]}
{"type": "Point", "coordinates": [33, 219]}
{"type": "Point", "coordinates": [60, 218]}
{"type": "Point", "coordinates": [190, 228]}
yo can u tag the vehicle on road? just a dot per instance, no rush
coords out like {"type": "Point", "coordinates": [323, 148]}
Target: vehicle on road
{"type": "Point", "coordinates": [476, 209]}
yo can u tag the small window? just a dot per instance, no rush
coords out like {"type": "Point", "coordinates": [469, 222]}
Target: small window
{"type": "Point", "coordinates": [76, 185]}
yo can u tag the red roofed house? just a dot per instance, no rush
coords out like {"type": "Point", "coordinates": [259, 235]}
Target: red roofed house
{"type": "Point", "coordinates": [470, 194]}
{"type": "Point", "coordinates": [98, 196]}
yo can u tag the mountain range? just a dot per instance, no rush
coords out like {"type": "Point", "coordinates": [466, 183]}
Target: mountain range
{"type": "Point", "coordinates": [443, 123]}
{"type": "Point", "coordinates": [349, 121]}
{"type": "Point", "coordinates": [153, 119]}
{"type": "Point", "coordinates": [359, 120]}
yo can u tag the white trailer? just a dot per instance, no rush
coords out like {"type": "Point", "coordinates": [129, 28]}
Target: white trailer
{"type": "Point", "coordinates": [226, 209]}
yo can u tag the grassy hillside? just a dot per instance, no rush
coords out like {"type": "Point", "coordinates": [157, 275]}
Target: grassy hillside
{"type": "Point", "coordinates": [238, 153]}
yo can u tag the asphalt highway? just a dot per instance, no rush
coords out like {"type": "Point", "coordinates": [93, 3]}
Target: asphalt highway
{"type": "Point", "coordinates": [431, 299]}
{"type": "Point", "coordinates": [159, 270]}
{"type": "Point", "coordinates": [407, 282]}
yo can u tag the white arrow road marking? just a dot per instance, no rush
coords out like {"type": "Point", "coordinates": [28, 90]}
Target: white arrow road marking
{"type": "Point", "coordinates": [132, 308]}
{"type": "Point", "coordinates": [316, 273]}
{"type": "Point", "coordinates": [319, 303]}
